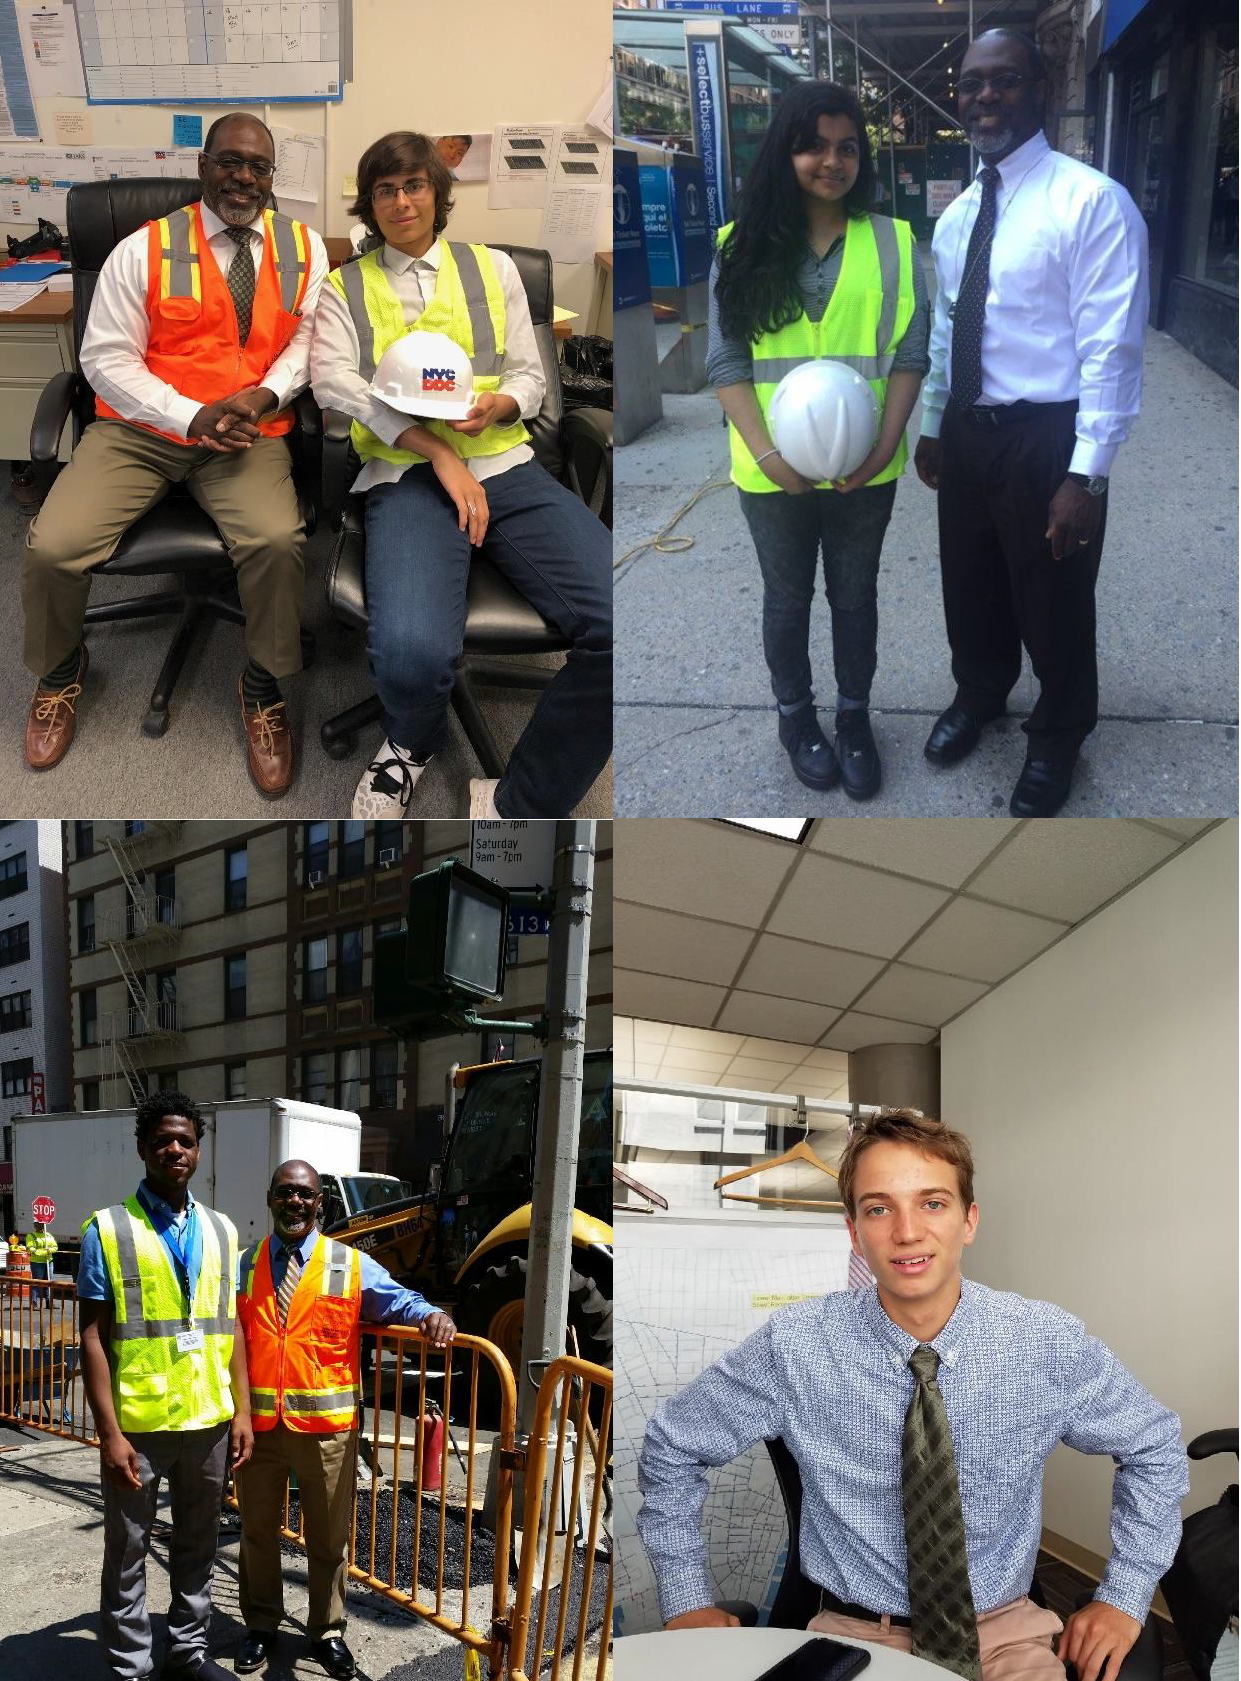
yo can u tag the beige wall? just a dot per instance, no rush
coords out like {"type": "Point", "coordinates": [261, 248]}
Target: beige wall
{"type": "Point", "coordinates": [1099, 1090]}
{"type": "Point", "coordinates": [443, 69]}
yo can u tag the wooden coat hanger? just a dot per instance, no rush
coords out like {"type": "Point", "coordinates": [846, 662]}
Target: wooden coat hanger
{"type": "Point", "coordinates": [800, 1152]}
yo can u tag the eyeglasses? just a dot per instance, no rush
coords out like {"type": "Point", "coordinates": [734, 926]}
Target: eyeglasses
{"type": "Point", "coordinates": [295, 1193]}
{"type": "Point", "coordinates": [233, 165]}
{"type": "Point", "coordinates": [1004, 81]}
{"type": "Point", "coordinates": [385, 192]}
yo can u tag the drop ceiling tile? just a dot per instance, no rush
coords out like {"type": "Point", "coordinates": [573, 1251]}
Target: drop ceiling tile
{"type": "Point", "coordinates": [774, 1050]}
{"type": "Point", "coordinates": [983, 942]}
{"type": "Point", "coordinates": [855, 1030]}
{"type": "Point", "coordinates": [918, 995]}
{"type": "Point", "coordinates": [743, 1068]}
{"type": "Point", "coordinates": [938, 849]}
{"type": "Point", "coordinates": [1184, 828]}
{"type": "Point", "coordinates": [842, 905]}
{"type": "Point", "coordinates": [662, 943]}
{"type": "Point", "coordinates": [795, 969]}
{"type": "Point", "coordinates": [702, 868]}
{"type": "Point", "coordinates": [801, 1022]}
{"type": "Point", "coordinates": [646, 1071]}
{"type": "Point", "coordinates": [706, 1039]}
{"type": "Point", "coordinates": [709, 1062]}
{"type": "Point", "coordinates": [680, 1001]}
{"type": "Point", "coordinates": [828, 1059]}
{"type": "Point", "coordinates": [1069, 867]}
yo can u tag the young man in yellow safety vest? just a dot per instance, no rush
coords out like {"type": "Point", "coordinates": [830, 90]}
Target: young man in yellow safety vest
{"type": "Point", "coordinates": [167, 1389]}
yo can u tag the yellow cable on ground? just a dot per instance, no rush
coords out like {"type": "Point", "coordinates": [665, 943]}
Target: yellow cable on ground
{"type": "Point", "coordinates": [473, 1669]}
{"type": "Point", "coordinates": [661, 542]}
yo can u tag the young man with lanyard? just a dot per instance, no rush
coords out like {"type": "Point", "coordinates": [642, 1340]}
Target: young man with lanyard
{"type": "Point", "coordinates": [1035, 381]}
{"type": "Point", "coordinates": [197, 342]}
{"type": "Point", "coordinates": [920, 1410]}
{"type": "Point", "coordinates": [166, 1383]}
{"type": "Point", "coordinates": [300, 1300]}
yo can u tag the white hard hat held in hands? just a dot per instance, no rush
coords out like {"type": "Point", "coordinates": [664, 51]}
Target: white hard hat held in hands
{"type": "Point", "coordinates": [425, 374]}
{"type": "Point", "coordinates": [824, 420]}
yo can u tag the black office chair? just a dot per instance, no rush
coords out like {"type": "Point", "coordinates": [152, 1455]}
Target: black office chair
{"type": "Point", "coordinates": [797, 1598]}
{"type": "Point", "coordinates": [175, 536]}
{"type": "Point", "coordinates": [574, 447]}
{"type": "Point", "coordinates": [1201, 1584]}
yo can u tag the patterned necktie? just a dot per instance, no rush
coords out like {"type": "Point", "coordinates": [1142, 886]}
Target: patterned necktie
{"type": "Point", "coordinates": [971, 304]}
{"type": "Point", "coordinates": [941, 1606]}
{"type": "Point", "coordinates": [241, 280]}
{"type": "Point", "coordinates": [292, 1272]}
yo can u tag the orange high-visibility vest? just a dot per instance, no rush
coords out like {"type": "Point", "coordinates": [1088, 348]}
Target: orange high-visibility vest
{"type": "Point", "coordinates": [304, 1373]}
{"type": "Point", "coordinates": [194, 345]}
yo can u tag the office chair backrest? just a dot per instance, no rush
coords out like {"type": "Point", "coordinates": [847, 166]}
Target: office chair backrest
{"type": "Point", "coordinates": [797, 1599]}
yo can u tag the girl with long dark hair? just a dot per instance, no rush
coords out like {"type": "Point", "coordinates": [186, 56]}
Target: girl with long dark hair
{"type": "Point", "coordinates": [807, 270]}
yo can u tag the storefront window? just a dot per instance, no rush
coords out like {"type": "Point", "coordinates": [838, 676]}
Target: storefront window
{"type": "Point", "coordinates": [652, 80]}
{"type": "Point", "coordinates": [1211, 238]}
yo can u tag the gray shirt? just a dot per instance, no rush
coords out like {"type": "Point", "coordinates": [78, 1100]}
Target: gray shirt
{"type": "Point", "coordinates": [729, 360]}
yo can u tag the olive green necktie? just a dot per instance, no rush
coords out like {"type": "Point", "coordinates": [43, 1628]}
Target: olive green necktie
{"type": "Point", "coordinates": [241, 280]}
{"type": "Point", "coordinates": [941, 1606]}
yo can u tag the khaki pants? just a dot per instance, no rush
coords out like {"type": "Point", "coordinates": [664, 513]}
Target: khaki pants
{"type": "Point", "coordinates": [1016, 1642]}
{"type": "Point", "coordinates": [116, 473]}
{"type": "Point", "coordinates": [325, 1468]}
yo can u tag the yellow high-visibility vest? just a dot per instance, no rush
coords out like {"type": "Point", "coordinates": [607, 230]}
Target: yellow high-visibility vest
{"type": "Point", "coordinates": [157, 1385]}
{"type": "Point", "coordinates": [870, 307]}
{"type": "Point", "coordinates": [467, 305]}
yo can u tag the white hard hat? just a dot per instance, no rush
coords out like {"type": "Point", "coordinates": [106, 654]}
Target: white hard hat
{"type": "Point", "coordinates": [824, 420]}
{"type": "Point", "coordinates": [425, 374]}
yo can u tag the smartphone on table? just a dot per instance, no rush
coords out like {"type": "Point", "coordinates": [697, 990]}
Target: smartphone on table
{"type": "Point", "coordinates": [820, 1659]}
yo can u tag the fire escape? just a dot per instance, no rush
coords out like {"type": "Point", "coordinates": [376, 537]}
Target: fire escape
{"type": "Point", "coordinates": [143, 930]}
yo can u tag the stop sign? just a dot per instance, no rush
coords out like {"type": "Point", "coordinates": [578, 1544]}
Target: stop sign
{"type": "Point", "coordinates": [43, 1209]}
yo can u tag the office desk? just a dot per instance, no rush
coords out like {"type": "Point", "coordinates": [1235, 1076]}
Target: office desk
{"type": "Point", "coordinates": [742, 1654]}
{"type": "Point", "coordinates": [36, 341]}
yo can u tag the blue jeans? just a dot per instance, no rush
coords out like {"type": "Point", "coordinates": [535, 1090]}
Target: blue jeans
{"type": "Point", "coordinates": [556, 554]}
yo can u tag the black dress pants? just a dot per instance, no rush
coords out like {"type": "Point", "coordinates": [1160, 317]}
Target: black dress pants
{"type": "Point", "coordinates": [1002, 588]}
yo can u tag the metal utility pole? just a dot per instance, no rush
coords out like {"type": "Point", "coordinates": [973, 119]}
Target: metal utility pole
{"type": "Point", "coordinates": [556, 1144]}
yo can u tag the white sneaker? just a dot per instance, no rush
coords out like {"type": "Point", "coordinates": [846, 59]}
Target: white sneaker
{"type": "Point", "coordinates": [387, 783]}
{"type": "Point", "coordinates": [482, 798]}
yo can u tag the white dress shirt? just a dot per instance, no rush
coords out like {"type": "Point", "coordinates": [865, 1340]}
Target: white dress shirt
{"type": "Point", "coordinates": [335, 356]}
{"type": "Point", "coordinates": [1067, 297]}
{"type": "Point", "coordinates": [118, 328]}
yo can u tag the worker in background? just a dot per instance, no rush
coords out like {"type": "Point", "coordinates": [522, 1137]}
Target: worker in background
{"type": "Point", "coordinates": [301, 1298]}
{"type": "Point", "coordinates": [42, 1247]}
{"type": "Point", "coordinates": [167, 1389]}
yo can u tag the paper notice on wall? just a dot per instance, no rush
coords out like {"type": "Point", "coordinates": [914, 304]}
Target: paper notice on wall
{"type": "Point", "coordinates": [49, 36]}
{"type": "Point", "coordinates": [36, 182]}
{"type": "Point", "coordinates": [582, 159]}
{"type": "Point", "coordinates": [467, 157]}
{"type": "Point", "coordinates": [568, 227]}
{"type": "Point", "coordinates": [299, 165]}
{"type": "Point", "coordinates": [521, 166]}
{"type": "Point", "coordinates": [72, 128]}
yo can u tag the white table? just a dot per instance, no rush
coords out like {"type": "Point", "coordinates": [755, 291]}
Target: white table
{"type": "Point", "coordinates": [742, 1654]}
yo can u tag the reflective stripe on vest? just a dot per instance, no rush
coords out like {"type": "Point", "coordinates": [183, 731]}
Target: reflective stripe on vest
{"type": "Point", "coordinates": [304, 1373]}
{"type": "Point", "coordinates": [866, 317]}
{"type": "Point", "coordinates": [180, 274]}
{"type": "Point", "coordinates": [467, 305]}
{"type": "Point", "coordinates": [156, 1385]}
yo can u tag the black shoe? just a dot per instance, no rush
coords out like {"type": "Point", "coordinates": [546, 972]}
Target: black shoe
{"type": "Point", "coordinates": [1042, 788]}
{"type": "Point", "coordinates": [810, 752]}
{"type": "Point", "coordinates": [207, 1669]}
{"type": "Point", "coordinates": [954, 734]}
{"type": "Point", "coordinates": [335, 1657]}
{"type": "Point", "coordinates": [254, 1651]}
{"type": "Point", "coordinates": [857, 753]}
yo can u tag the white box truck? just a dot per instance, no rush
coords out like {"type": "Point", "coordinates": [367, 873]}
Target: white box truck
{"type": "Point", "coordinates": [89, 1161]}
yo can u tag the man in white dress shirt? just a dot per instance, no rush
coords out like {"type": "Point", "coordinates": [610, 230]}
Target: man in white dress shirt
{"type": "Point", "coordinates": [194, 358]}
{"type": "Point", "coordinates": [1035, 381]}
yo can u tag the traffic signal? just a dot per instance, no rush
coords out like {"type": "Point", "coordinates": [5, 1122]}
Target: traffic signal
{"type": "Point", "coordinates": [449, 957]}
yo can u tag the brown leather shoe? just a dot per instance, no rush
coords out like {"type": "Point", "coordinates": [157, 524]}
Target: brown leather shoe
{"type": "Point", "coordinates": [269, 746]}
{"type": "Point", "coordinates": [51, 721]}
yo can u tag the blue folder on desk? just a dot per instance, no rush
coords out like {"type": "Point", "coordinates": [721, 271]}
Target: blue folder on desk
{"type": "Point", "coordinates": [26, 272]}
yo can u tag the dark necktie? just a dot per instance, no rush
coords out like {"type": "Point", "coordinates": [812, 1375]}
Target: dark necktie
{"type": "Point", "coordinates": [241, 280]}
{"type": "Point", "coordinates": [971, 304]}
{"type": "Point", "coordinates": [941, 1606]}
{"type": "Point", "coordinates": [292, 1272]}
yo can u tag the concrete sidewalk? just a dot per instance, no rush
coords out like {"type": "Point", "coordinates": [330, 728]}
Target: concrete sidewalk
{"type": "Point", "coordinates": [51, 1550]}
{"type": "Point", "coordinates": [695, 726]}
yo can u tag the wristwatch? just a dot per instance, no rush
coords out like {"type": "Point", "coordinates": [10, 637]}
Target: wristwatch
{"type": "Point", "coordinates": [1095, 484]}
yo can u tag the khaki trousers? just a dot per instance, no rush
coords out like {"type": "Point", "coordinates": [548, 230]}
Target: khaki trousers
{"type": "Point", "coordinates": [1016, 1641]}
{"type": "Point", "coordinates": [325, 1467]}
{"type": "Point", "coordinates": [116, 473]}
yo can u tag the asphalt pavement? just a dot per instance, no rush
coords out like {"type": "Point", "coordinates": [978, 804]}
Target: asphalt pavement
{"type": "Point", "coordinates": [695, 725]}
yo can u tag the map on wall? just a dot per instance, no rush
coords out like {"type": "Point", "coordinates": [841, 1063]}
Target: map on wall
{"type": "Point", "coordinates": [136, 51]}
{"type": "Point", "coordinates": [691, 1291]}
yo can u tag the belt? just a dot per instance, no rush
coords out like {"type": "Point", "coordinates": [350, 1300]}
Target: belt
{"type": "Point", "coordinates": [829, 1602]}
{"type": "Point", "coordinates": [992, 415]}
